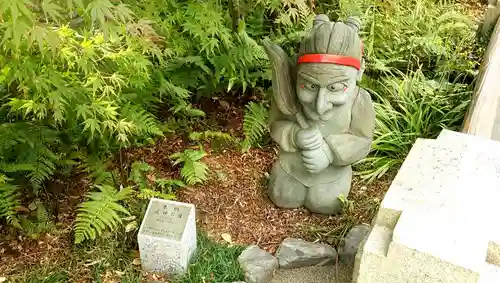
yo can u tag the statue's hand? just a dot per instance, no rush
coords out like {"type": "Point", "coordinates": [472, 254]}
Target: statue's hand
{"type": "Point", "coordinates": [309, 139]}
{"type": "Point", "coordinates": [316, 160]}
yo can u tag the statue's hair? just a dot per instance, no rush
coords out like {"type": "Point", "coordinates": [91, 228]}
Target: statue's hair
{"type": "Point", "coordinates": [335, 38]}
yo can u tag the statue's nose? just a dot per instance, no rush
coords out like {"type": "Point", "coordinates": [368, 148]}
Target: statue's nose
{"type": "Point", "coordinates": [322, 104]}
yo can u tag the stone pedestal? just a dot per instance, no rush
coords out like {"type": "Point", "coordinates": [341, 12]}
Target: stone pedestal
{"type": "Point", "coordinates": [438, 221]}
{"type": "Point", "coordinates": [167, 237]}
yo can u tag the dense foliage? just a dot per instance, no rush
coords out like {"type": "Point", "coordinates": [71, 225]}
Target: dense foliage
{"type": "Point", "coordinates": [82, 79]}
{"type": "Point", "coordinates": [73, 81]}
{"type": "Point", "coordinates": [420, 70]}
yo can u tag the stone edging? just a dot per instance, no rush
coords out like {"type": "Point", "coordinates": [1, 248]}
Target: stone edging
{"type": "Point", "coordinates": [483, 116]}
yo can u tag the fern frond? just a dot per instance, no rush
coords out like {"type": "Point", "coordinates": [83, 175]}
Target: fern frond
{"type": "Point", "coordinates": [9, 201]}
{"type": "Point", "coordinates": [193, 170]}
{"type": "Point", "coordinates": [42, 215]}
{"type": "Point", "coordinates": [136, 173]}
{"type": "Point", "coordinates": [41, 172]}
{"type": "Point", "coordinates": [28, 149]}
{"type": "Point", "coordinates": [145, 122]}
{"type": "Point", "coordinates": [97, 167]}
{"type": "Point", "coordinates": [210, 135]}
{"type": "Point", "coordinates": [254, 123]}
{"type": "Point", "coordinates": [168, 183]}
{"type": "Point", "coordinates": [12, 167]}
{"type": "Point", "coordinates": [149, 193]}
{"type": "Point", "coordinates": [187, 109]}
{"type": "Point", "coordinates": [100, 213]}
{"type": "Point", "coordinates": [305, 14]}
{"type": "Point", "coordinates": [39, 223]}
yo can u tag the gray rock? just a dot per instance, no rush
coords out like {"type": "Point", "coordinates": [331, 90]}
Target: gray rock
{"type": "Point", "coordinates": [351, 243]}
{"type": "Point", "coordinates": [315, 274]}
{"type": "Point", "coordinates": [294, 253]}
{"type": "Point", "coordinates": [258, 265]}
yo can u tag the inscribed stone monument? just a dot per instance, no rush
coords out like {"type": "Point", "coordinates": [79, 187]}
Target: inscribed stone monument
{"type": "Point", "coordinates": [322, 121]}
{"type": "Point", "coordinates": [167, 237]}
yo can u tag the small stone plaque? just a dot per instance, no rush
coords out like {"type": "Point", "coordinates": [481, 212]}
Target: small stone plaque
{"type": "Point", "coordinates": [167, 237]}
{"type": "Point", "coordinates": [166, 220]}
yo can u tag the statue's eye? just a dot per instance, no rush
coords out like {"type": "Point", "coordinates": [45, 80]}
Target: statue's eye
{"type": "Point", "coordinates": [336, 87]}
{"type": "Point", "coordinates": [310, 86]}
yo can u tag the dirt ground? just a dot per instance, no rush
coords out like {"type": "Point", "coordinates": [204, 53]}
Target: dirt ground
{"type": "Point", "coordinates": [476, 8]}
{"type": "Point", "coordinates": [232, 202]}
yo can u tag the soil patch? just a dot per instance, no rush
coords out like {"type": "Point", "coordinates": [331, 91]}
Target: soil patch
{"type": "Point", "coordinates": [475, 8]}
{"type": "Point", "coordinates": [236, 204]}
{"type": "Point", "coordinates": [234, 200]}
{"type": "Point", "coordinates": [53, 248]}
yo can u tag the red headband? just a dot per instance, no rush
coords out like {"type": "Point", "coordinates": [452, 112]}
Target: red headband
{"type": "Point", "coordinates": [332, 59]}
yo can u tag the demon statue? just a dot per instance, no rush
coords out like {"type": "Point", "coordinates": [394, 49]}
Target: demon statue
{"type": "Point", "coordinates": [322, 121]}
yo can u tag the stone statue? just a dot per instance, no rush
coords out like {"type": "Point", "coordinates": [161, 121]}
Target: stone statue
{"type": "Point", "coordinates": [322, 121]}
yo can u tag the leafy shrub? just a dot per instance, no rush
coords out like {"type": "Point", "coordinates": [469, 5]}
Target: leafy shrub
{"type": "Point", "coordinates": [74, 78]}
{"type": "Point", "coordinates": [403, 35]}
{"type": "Point", "coordinates": [421, 56]}
{"type": "Point", "coordinates": [205, 54]}
{"type": "Point", "coordinates": [409, 107]}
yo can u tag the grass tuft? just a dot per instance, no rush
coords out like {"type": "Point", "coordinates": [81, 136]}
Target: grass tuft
{"type": "Point", "coordinates": [111, 260]}
{"type": "Point", "coordinates": [214, 263]}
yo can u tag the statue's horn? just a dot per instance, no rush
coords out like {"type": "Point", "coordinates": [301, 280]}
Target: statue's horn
{"type": "Point", "coordinates": [354, 23]}
{"type": "Point", "coordinates": [321, 18]}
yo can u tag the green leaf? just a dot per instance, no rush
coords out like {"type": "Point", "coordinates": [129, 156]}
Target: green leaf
{"type": "Point", "coordinates": [136, 173]}
{"type": "Point", "coordinates": [123, 13]}
{"type": "Point", "coordinates": [16, 7]}
{"type": "Point", "coordinates": [169, 184]}
{"type": "Point", "coordinates": [72, 4]}
{"type": "Point", "coordinates": [82, 110]}
{"type": "Point", "coordinates": [100, 10]}
{"type": "Point", "coordinates": [52, 10]}
{"type": "Point", "coordinates": [91, 125]}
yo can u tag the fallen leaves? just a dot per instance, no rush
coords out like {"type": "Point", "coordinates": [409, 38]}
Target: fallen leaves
{"type": "Point", "coordinates": [131, 226]}
{"type": "Point", "coordinates": [226, 237]}
{"type": "Point", "coordinates": [136, 261]}
{"type": "Point", "coordinates": [237, 210]}
{"type": "Point", "coordinates": [93, 262]}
